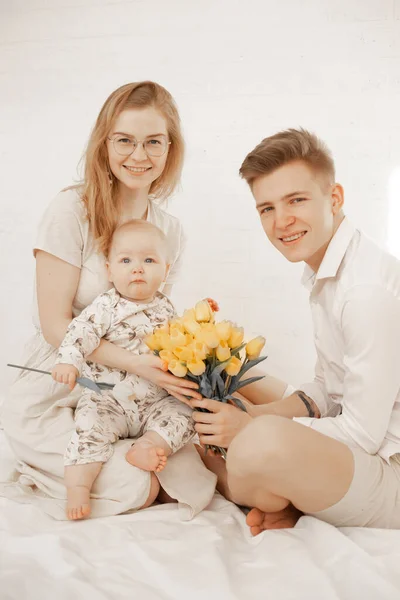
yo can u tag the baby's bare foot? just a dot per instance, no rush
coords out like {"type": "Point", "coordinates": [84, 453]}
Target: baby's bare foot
{"type": "Point", "coordinates": [147, 457]}
{"type": "Point", "coordinates": [259, 521]}
{"type": "Point", "coordinates": [78, 502]}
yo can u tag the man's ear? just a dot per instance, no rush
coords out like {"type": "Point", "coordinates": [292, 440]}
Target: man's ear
{"type": "Point", "coordinates": [337, 196]}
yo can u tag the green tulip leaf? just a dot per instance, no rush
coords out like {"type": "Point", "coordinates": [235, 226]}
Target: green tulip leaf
{"type": "Point", "coordinates": [237, 401]}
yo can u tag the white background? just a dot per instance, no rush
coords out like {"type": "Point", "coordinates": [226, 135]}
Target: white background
{"type": "Point", "coordinates": [239, 71]}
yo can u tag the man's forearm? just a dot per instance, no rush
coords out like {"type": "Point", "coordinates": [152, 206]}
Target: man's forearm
{"type": "Point", "coordinates": [269, 389]}
{"type": "Point", "coordinates": [292, 406]}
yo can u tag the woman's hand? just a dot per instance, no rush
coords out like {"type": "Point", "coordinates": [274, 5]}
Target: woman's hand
{"type": "Point", "coordinates": [221, 424]}
{"type": "Point", "coordinates": [152, 368]}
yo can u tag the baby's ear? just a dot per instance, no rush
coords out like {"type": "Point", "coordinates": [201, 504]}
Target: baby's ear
{"type": "Point", "coordinates": [167, 268]}
{"type": "Point", "coordinates": [109, 272]}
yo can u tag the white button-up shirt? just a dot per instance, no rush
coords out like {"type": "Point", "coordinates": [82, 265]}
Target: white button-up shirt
{"type": "Point", "coordinates": [355, 305]}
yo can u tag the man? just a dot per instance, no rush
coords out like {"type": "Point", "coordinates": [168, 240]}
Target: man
{"type": "Point", "coordinates": [332, 448]}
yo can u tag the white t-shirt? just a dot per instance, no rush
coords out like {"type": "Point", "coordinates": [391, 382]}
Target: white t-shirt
{"type": "Point", "coordinates": [64, 232]}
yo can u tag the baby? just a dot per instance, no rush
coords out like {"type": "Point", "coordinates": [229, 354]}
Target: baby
{"type": "Point", "coordinates": [137, 265]}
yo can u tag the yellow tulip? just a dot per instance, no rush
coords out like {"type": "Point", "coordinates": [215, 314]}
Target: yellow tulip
{"type": "Point", "coordinates": [233, 366]}
{"type": "Point", "coordinates": [153, 342]}
{"type": "Point", "coordinates": [203, 312]}
{"type": "Point", "coordinates": [224, 330]}
{"type": "Point", "coordinates": [161, 329]}
{"type": "Point", "coordinates": [189, 339]}
{"type": "Point", "coordinates": [191, 326]}
{"type": "Point", "coordinates": [177, 338]}
{"type": "Point", "coordinates": [165, 340]}
{"type": "Point", "coordinates": [223, 351]}
{"type": "Point", "coordinates": [254, 347]}
{"type": "Point", "coordinates": [236, 337]}
{"type": "Point", "coordinates": [199, 350]}
{"type": "Point", "coordinates": [189, 314]}
{"type": "Point", "coordinates": [177, 368]}
{"type": "Point", "coordinates": [196, 367]}
{"type": "Point", "coordinates": [208, 335]}
{"type": "Point", "coordinates": [183, 353]}
{"type": "Point", "coordinates": [167, 356]}
{"type": "Point", "coordinates": [177, 324]}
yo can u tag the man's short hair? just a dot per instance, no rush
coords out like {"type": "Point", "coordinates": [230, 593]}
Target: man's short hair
{"type": "Point", "coordinates": [285, 147]}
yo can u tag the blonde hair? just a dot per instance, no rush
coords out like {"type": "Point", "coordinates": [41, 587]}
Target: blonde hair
{"type": "Point", "coordinates": [286, 147]}
{"type": "Point", "coordinates": [98, 195]}
{"type": "Point", "coordinates": [134, 225]}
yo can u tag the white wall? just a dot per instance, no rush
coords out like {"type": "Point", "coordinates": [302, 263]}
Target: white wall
{"type": "Point", "coordinates": [239, 72]}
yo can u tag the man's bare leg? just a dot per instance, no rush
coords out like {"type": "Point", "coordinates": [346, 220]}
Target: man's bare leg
{"type": "Point", "coordinates": [256, 519]}
{"type": "Point", "coordinates": [268, 389]}
{"type": "Point", "coordinates": [215, 462]}
{"type": "Point", "coordinates": [274, 463]}
{"type": "Point", "coordinates": [217, 465]}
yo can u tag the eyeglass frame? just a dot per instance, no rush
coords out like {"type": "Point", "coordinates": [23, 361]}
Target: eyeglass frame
{"type": "Point", "coordinates": [137, 144]}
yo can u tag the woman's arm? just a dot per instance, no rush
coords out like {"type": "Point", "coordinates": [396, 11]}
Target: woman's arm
{"type": "Point", "coordinates": [57, 282]}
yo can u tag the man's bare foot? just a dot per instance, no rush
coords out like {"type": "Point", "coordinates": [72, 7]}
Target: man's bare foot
{"type": "Point", "coordinates": [259, 521]}
{"type": "Point", "coordinates": [146, 456]}
{"type": "Point", "coordinates": [78, 502]}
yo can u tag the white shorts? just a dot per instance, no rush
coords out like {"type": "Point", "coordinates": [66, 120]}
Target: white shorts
{"type": "Point", "coordinates": [373, 498]}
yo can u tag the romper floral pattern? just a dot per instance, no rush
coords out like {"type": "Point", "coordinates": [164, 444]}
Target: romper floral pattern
{"type": "Point", "coordinates": [134, 405]}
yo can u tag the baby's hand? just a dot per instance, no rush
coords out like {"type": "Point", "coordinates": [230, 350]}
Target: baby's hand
{"type": "Point", "coordinates": [65, 374]}
{"type": "Point", "coordinates": [213, 304]}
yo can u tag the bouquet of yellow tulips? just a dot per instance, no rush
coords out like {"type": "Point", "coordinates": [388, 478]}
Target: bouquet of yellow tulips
{"type": "Point", "coordinates": [212, 354]}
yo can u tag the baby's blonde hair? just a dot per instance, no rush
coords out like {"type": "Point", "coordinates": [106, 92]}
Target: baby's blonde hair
{"type": "Point", "coordinates": [136, 225]}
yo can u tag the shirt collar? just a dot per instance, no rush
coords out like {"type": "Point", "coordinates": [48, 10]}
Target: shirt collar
{"type": "Point", "coordinates": [333, 256]}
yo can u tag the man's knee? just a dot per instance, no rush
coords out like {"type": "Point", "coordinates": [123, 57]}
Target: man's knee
{"type": "Point", "coordinates": [254, 454]}
{"type": "Point", "coordinates": [258, 443]}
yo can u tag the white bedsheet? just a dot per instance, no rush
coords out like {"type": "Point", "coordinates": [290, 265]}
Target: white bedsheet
{"type": "Point", "coordinates": [152, 555]}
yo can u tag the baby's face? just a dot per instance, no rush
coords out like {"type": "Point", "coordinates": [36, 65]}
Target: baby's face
{"type": "Point", "coordinates": [137, 264]}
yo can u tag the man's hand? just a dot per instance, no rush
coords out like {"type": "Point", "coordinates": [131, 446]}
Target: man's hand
{"type": "Point", "coordinates": [64, 373]}
{"type": "Point", "coordinates": [221, 424]}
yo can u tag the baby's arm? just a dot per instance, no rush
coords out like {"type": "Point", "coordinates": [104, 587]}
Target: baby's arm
{"type": "Point", "coordinates": [84, 334]}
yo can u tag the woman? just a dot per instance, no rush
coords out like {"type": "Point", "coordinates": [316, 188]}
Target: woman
{"type": "Point", "coordinates": [134, 156]}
